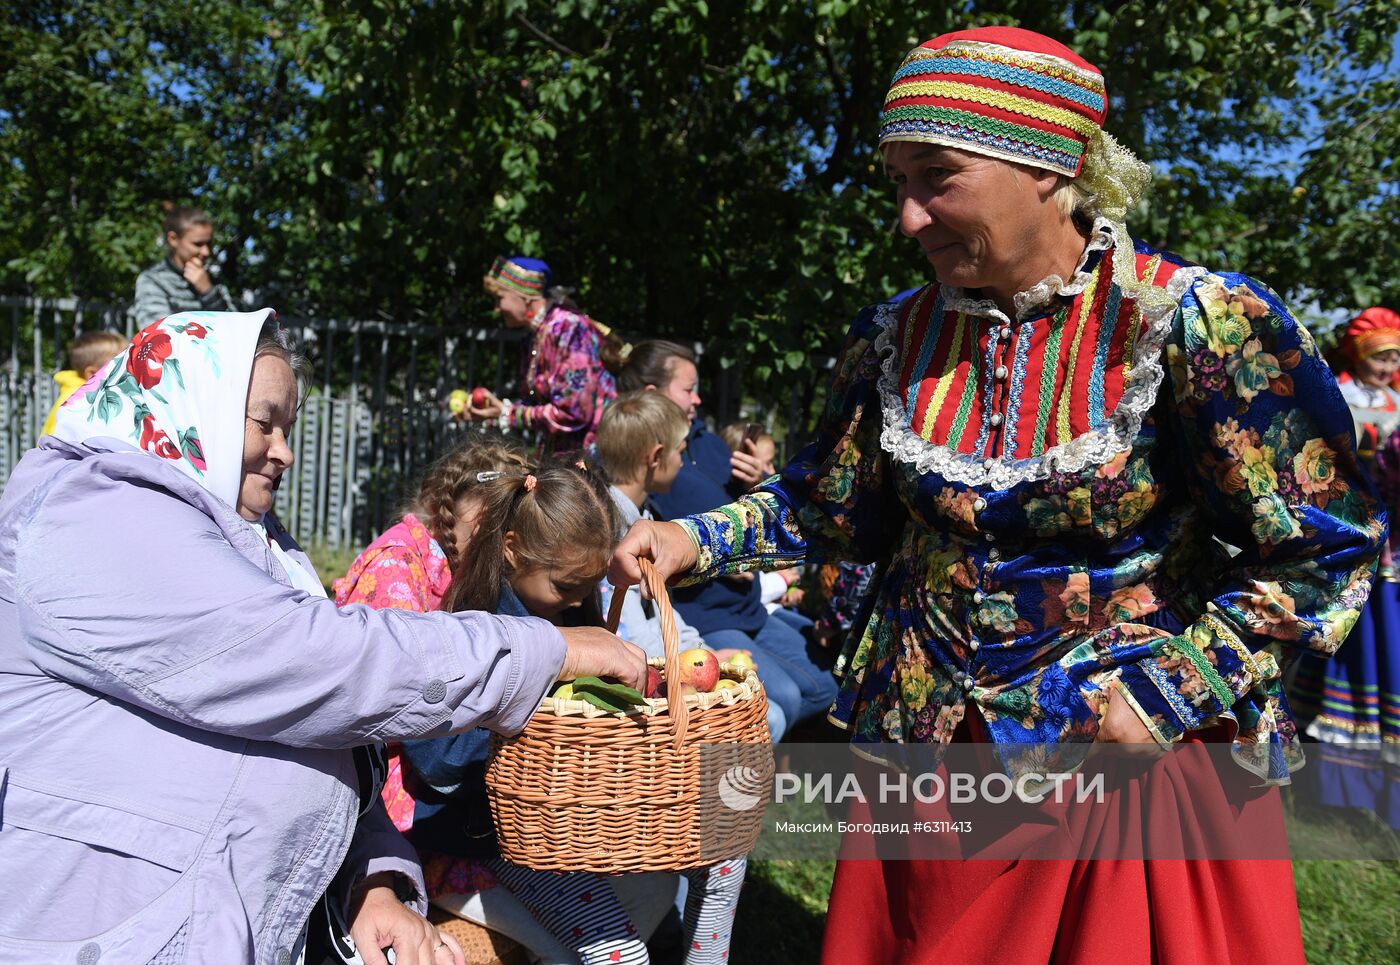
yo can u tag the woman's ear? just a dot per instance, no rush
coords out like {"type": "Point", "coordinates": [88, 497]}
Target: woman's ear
{"type": "Point", "coordinates": [1046, 182]}
{"type": "Point", "coordinates": [654, 456]}
{"type": "Point", "coordinates": [509, 551]}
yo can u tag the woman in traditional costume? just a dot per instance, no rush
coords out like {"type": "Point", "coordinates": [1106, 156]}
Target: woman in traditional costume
{"type": "Point", "coordinates": [1355, 695]}
{"type": "Point", "coordinates": [1038, 448]}
{"type": "Point", "coordinates": [568, 374]}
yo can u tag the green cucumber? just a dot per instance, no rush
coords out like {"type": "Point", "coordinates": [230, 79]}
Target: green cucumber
{"type": "Point", "coordinates": [619, 695]}
{"type": "Point", "coordinates": [614, 698]}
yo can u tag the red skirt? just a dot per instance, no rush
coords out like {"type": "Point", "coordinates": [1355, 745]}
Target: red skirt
{"type": "Point", "coordinates": [1009, 911]}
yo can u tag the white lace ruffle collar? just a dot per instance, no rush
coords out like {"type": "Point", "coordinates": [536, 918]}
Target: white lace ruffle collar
{"type": "Point", "coordinates": [1096, 447]}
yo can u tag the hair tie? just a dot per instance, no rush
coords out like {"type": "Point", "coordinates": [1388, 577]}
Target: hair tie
{"type": "Point", "coordinates": [580, 465]}
{"type": "Point", "coordinates": [489, 476]}
{"type": "Point", "coordinates": [530, 482]}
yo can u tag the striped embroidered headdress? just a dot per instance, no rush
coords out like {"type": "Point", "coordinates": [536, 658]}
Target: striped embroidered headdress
{"type": "Point", "coordinates": [526, 277]}
{"type": "Point", "coordinates": [1019, 96]}
{"type": "Point", "coordinates": [1000, 91]}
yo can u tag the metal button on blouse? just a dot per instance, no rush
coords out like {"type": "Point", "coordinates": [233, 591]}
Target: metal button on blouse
{"type": "Point", "coordinates": [989, 537]}
{"type": "Point", "coordinates": [988, 463]}
{"type": "Point", "coordinates": [1005, 332]}
{"type": "Point", "coordinates": [993, 554]}
{"type": "Point", "coordinates": [977, 596]}
{"type": "Point", "coordinates": [1000, 373]}
{"type": "Point", "coordinates": [996, 418]}
{"type": "Point", "coordinates": [968, 684]}
{"type": "Point", "coordinates": [435, 692]}
{"type": "Point", "coordinates": [973, 644]}
{"type": "Point", "coordinates": [979, 504]}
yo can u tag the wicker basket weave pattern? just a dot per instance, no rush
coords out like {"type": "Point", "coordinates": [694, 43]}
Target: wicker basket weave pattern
{"type": "Point", "coordinates": [580, 789]}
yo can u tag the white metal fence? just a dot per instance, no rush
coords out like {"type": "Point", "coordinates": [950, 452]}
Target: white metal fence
{"type": "Point", "coordinates": [373, 418]}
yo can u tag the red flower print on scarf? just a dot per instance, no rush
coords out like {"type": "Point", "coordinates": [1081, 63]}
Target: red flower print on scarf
{"type": "Point", "coordinates": [155, 440]}
{"type": "Point", "coordinates": [146, 358]}
{"type": "Point", "coordinates": [193, 449]}
{"type": "Point", "coordinates": [195, 330]}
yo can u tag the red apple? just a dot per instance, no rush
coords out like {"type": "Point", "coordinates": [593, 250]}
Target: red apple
{"type": "Point", "coordinates": [480, 397]}
{"type": "Point", "coordinates": [699, 671]}
{"type": "Point", "coordinates": [653, 682]}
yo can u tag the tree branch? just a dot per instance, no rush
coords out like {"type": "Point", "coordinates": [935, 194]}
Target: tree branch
{"type": "Point", "coordinates": [546, 37]}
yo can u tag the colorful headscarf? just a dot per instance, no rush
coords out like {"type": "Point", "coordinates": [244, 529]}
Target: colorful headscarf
{"type": "Point", "coordinates": [526, 277]}
{"type": "Point", "coordinates": [1374, 331]}
{"type": "Point", "coordinates": [1022, 97]}
{"type": "Point", "coordinates": [1000, 91]}
{"type": "Point", "coordinates": [180, 393]}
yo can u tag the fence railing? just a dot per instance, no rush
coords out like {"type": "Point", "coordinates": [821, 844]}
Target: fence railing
{"type": "Point", "coordinates": [373, 419]}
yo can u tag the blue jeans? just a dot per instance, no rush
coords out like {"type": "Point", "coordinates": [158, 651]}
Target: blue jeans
{"type": "Point", "coordinates": [798, 684]}
{"type": "Point", "coordinates": [791, 617]}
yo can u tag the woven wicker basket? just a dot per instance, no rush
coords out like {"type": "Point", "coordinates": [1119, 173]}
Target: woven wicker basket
{"type": "Point", "coordinates": [480, 945]}
{"type": "Point", "coordinates": [581, 789]}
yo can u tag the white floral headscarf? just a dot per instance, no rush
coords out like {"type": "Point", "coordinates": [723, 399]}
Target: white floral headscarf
{"type": "Point", "coordinates": [178, 392]}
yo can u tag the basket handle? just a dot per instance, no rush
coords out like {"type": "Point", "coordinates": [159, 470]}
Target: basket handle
{"type": "Point", "coordinates": [670, 639]}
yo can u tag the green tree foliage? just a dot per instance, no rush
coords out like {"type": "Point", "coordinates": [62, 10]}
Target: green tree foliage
{"type": "Point", "coordinates": [694, 167]}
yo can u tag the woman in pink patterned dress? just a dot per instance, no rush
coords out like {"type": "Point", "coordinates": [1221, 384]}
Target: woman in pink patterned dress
{"type": "Point", "coordinates": [568, 373]}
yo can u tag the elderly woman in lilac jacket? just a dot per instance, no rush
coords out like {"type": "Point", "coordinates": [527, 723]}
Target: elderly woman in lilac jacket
{"type": "Point", "coordinates": [186, 723]}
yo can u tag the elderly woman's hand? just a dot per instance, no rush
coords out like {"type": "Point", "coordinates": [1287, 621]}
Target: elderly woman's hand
{"type": "Point", "coordinates": [594, 652]}
{"type": "Point", "coordinates": [379, 920]}
{"type": "Point", "coordinates": [667, 545]}
{"type": "Point", "coordinates": [1122, 725]}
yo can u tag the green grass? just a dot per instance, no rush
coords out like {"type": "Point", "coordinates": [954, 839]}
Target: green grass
{"type": "Point", "coordinates": [782, 913]}
{"type": "Point", "coordinates": [331, 563]}
{"type": "Point", "coordinates": [1350, 908]}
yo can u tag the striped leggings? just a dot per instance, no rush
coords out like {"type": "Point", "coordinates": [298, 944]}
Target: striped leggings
{"type": "Point", "coordinates": [584, 913]}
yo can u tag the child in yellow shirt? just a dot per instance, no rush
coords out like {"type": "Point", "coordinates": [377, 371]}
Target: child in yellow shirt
{"type": "Point", "coordinates": [88, 353]}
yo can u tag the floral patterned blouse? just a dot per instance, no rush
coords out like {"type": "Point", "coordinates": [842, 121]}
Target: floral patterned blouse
{"type": "Point", "coordinates": [567, 384]}
{"type": "Point", "coordinates": [1043, 493]}
{"type": "Point", "coordinates": [406, 569]}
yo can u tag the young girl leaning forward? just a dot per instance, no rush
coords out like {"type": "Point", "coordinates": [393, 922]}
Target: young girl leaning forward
{"type": "Point", "coordinates": [489, 533]}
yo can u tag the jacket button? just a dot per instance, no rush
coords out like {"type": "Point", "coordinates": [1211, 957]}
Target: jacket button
{"type": "Point", "coordinates": [979, 504]}
{"type": "Point", "coordinates": [284, 957]}
{"type": "Point", "coordinates": [977, 596]}
{"type": "Point", "coordinates": [435, 692]}
{"type": "Point", "coordinates": [1000, 372]}
{"type": "Point", "coordinates": [968, 684]}
{"type": "Point", "coordinates": [996, 418]}
{"type": "Point", "coordinates": [89, 953]}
